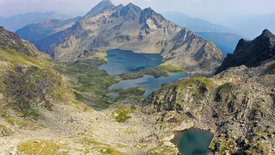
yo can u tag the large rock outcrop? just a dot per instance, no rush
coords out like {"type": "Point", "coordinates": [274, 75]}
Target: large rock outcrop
{"type": "Point", "coordinates": [251, 53]}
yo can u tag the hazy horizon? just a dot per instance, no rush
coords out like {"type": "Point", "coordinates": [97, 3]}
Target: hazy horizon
{"type": "Point", "coordinates": [213, 10]}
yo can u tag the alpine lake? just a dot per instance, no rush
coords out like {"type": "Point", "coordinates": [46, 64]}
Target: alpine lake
{"type": "Point", "coordinates": [122, 61]}
{"type": "Point", "coordinates": [189, 142]}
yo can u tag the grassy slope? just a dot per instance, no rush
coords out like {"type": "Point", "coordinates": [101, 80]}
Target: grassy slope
{"type": "Point", "coordinates": [91, 85]}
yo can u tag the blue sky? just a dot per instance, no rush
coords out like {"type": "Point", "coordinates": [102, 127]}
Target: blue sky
{"type": "Point", "coordinates": [208, 9]}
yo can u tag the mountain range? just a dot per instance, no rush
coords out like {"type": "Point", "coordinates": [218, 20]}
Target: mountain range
{"type": "Point", "coordinates": [36, 32]}
{"type": "Point", "coordinates": [225, 38]}
{"type": "Point", "coordinates": [251, 26]}
{"type": "Point", "coordinates": [196, 24]}
{"type": "Point", "coordinates": [129, 27]}
{"type": "Point", "coordinates": [227, 42]}
{"type": "Point", "coordinates": [16, 22]}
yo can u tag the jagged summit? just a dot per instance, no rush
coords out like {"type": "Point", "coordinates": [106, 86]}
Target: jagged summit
{"type": "Point", "coordinates": [149, 13]}
{"type": "Point", "coordinates": [267, 33]}
{"type": "Point", "coordinates": [269, 36]}
{"type": "Point", "coordinates": [251, 53]}
{"type": "Point", "coordinates": [100, 7]}
{"type": "Point", "coordinates": [120, 6]}
{"type": "Point", "coordinates": [130, 11]}
{"type": "Point", "coordinates": [133, 6]}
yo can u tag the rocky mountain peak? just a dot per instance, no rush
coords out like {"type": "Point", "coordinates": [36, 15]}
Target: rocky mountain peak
{"type": "Point", "coordinates": [120, 6]}
{"type": "Point", "coordinates": [268, 36]}
{"type": "Point", "coordinates": [149, 13]}
{"type": "Point", "coordinates": [251, 53]}
{"type": "Point", "coordinates": [267, 33]}
{"type": "Point", "coordinates": [100, 7]}
{"type": "Point", "coordinates": [130, 11]}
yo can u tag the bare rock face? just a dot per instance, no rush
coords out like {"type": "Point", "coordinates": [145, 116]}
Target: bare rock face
{"type": "Point", "coordinates": [236, 105]}
{"type": "Point", "coordinates": [251, 53]}
{"type": "Point", "coordinates": [130, 28]}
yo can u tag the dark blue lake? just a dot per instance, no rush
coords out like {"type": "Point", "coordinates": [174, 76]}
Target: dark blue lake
{"type": "Point", "coordinates": [149, 82]}
{"type": "Point", "coordinates": [123, 61]}
{"type": "Point", "coordinates": [193, 142]}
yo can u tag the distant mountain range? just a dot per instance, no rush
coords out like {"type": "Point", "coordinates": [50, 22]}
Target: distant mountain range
{"type": "Point", "coordinates": [251, 26]}
{"type": "Point", "coordinates": [225, 41]}
{"type": "Point", "coordinates": [196, 24]}
{"type": "Point", "coordinates": [16, 22]}
{"type": "Point", "coordinates": [225, 38]}
{"type": "Point", "coordinates": [37, 32]}
{"type": "Point", "coordinates": [129, 27]}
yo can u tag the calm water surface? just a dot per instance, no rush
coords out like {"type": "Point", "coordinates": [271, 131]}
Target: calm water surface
{"type": "Point", "coordinates": [193, 142]}
{"type": "Point", "coordinates": [122, 61]}
{"type": "Point", "coordinates": [149, 82]}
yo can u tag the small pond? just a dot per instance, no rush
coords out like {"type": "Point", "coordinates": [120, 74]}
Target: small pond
{"type": "Point", "coordinates": [193, 142]}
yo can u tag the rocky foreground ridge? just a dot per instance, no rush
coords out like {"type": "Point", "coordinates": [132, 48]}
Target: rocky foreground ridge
{"type": "Point", "coordinates": [236, 105]}
{"type": "Point", "coordinates": [129, 27]}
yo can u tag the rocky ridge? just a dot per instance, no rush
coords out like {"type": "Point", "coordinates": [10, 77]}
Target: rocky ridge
{"type": "Point", "coordinates": [237, 106]}
{"type": "Point", "coordinates": [251, 53]}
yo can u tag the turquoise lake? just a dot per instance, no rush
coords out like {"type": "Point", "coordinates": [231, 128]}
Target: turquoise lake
{"type": "Point", "coordinates": [193, 142]}
{"type": "Point", "coordinates": [123, 61]}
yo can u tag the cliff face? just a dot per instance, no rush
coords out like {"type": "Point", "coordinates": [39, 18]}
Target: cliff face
{"type": "Point", "coordinates": [236, 105]}
{"type": "Point", "coordinates": [129, 27]}
{"type": "Point", "coordinates": [251, 53]}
